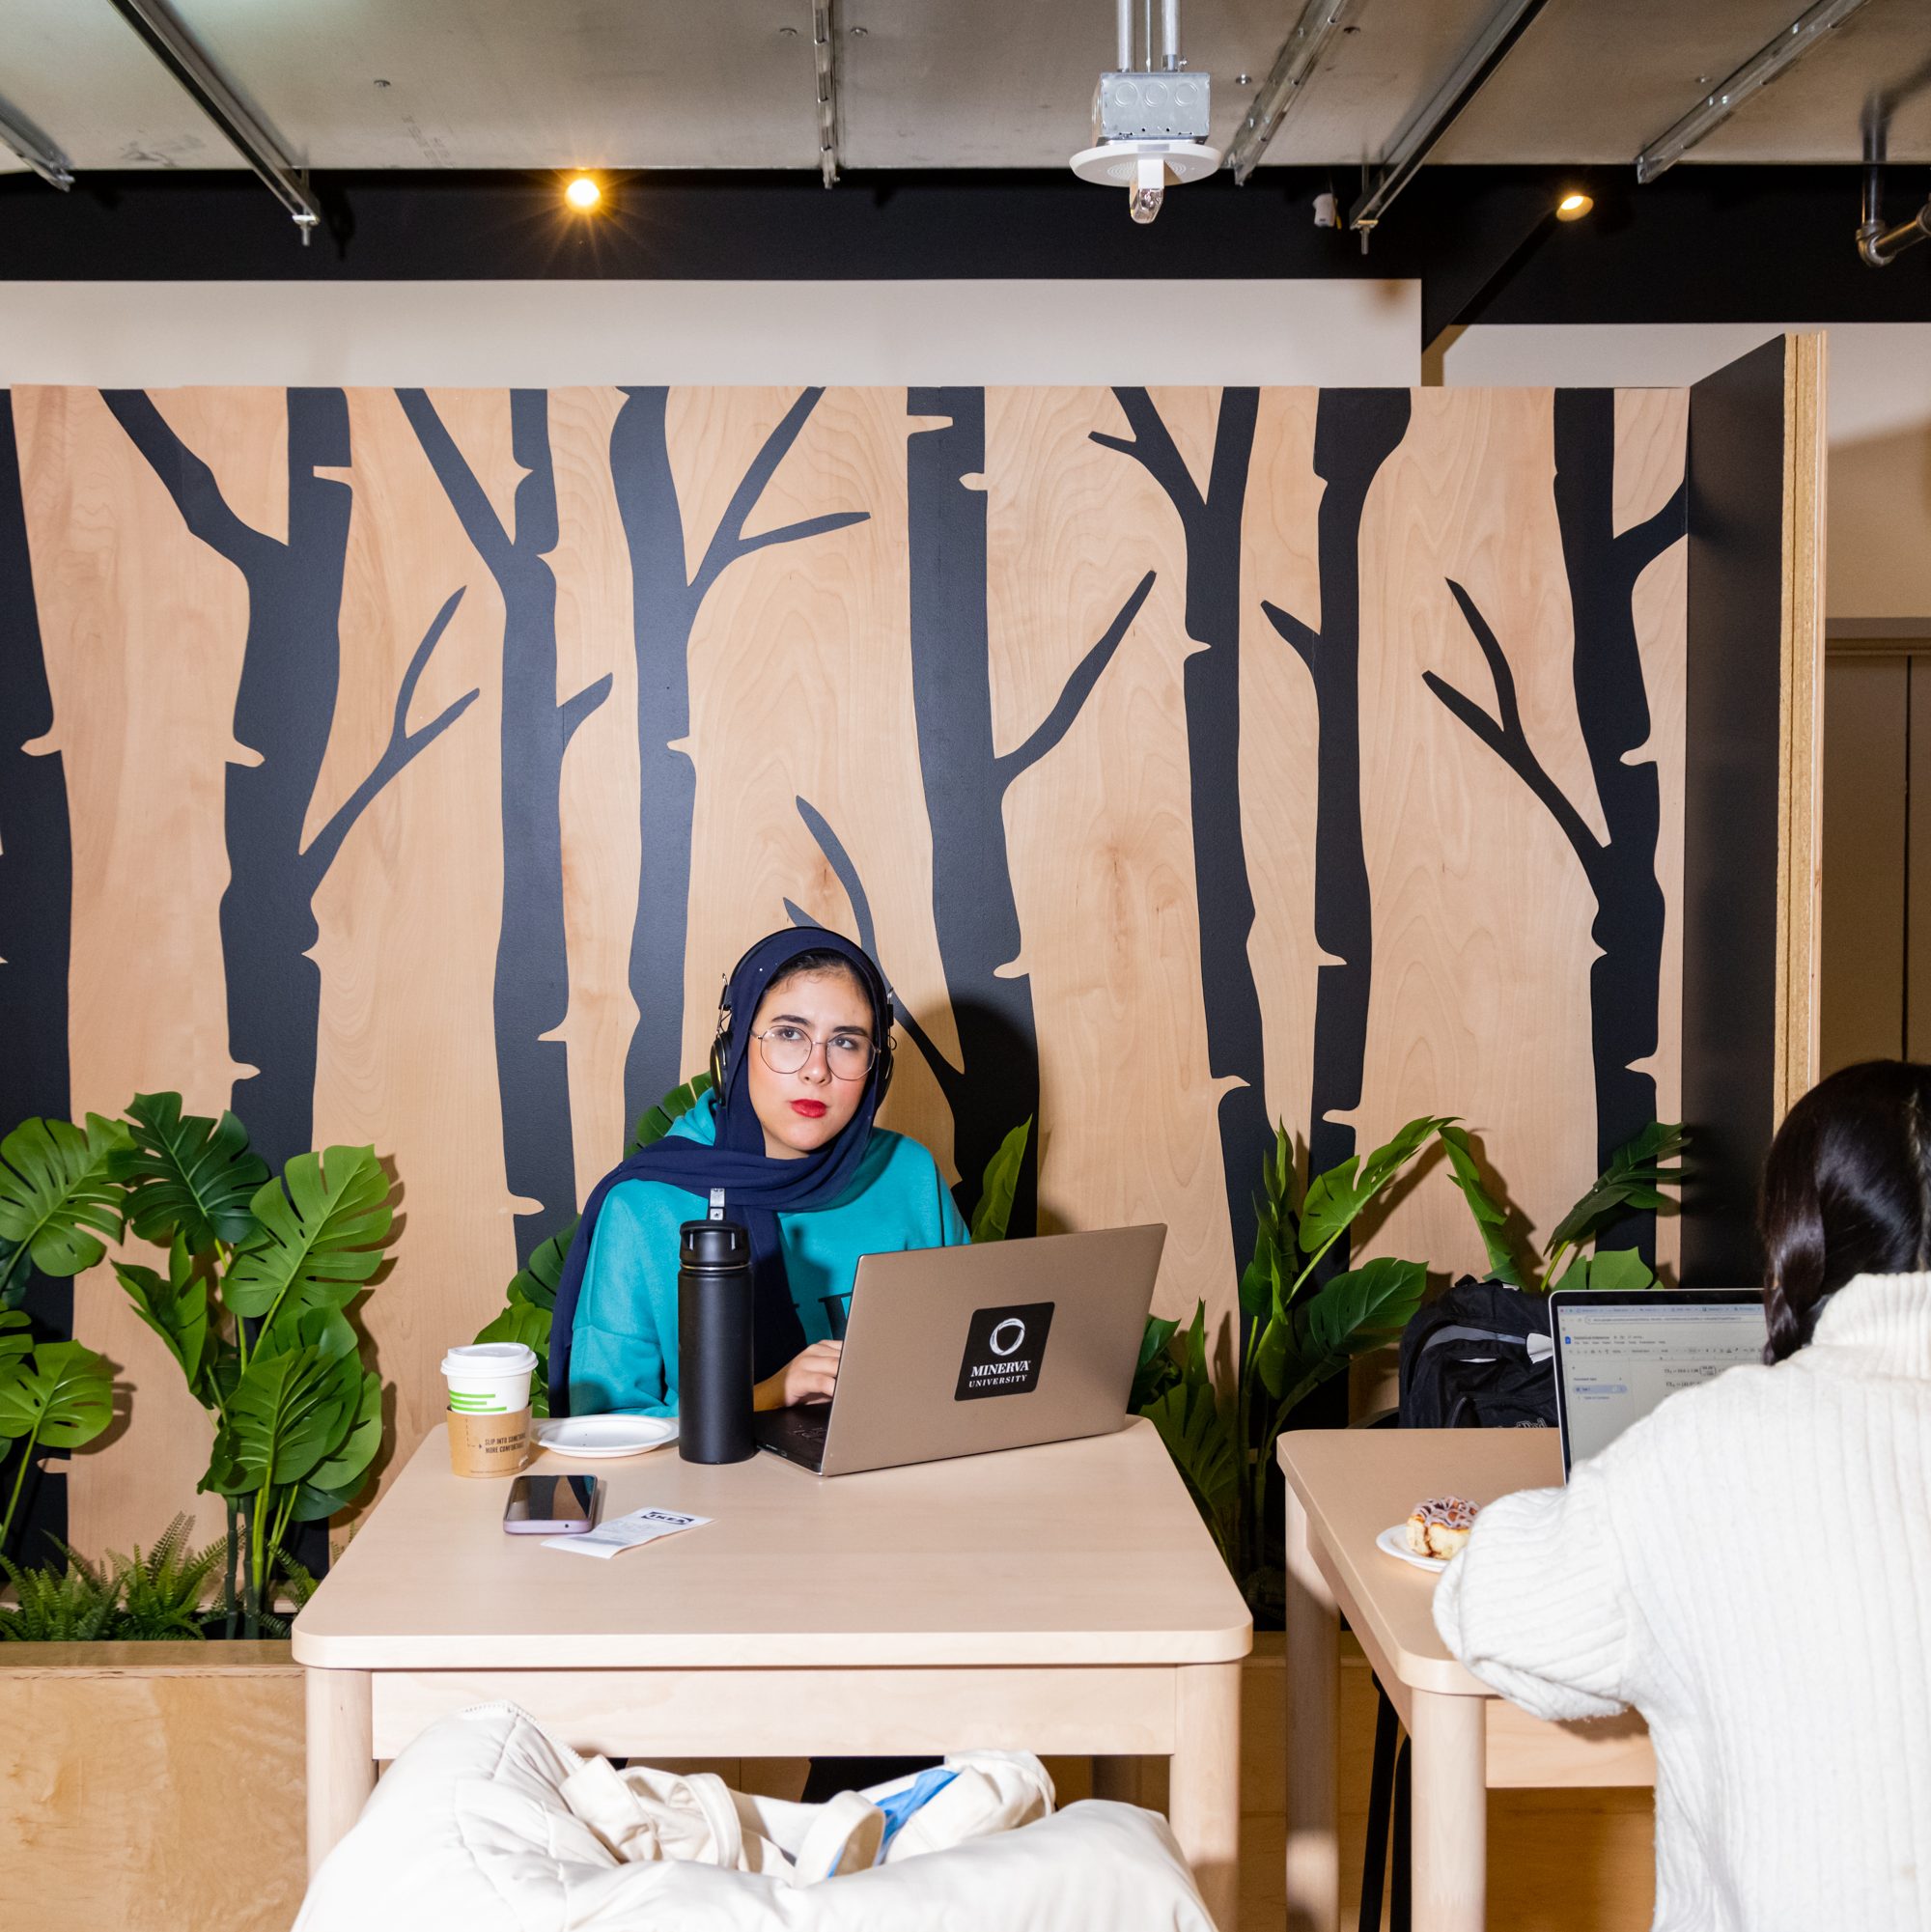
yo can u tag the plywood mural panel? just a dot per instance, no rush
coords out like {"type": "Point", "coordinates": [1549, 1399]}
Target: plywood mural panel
{"type": "Point", "coordinates": [1191, 760]}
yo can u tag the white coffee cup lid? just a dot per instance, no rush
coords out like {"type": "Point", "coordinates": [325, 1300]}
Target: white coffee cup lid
{"type": "Point", "coordinates": [490, 1359]}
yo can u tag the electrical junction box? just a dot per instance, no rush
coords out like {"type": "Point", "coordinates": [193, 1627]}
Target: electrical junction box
{"type": "Point", "coordinates": [1168, 104]}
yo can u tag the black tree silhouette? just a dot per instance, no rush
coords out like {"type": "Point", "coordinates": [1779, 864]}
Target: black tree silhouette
{"type": "Point", "coordinates": [1356, 431]}
{"type": "Point", "coordinates": [666, 597]}
{"type": "Point", "coordinates": [995, 1084]}
{"type": "Point", "coordinates": [36, 916]}
{"type": "Point", "coordinates": [1612, 711]}
{"type": "Point", "coordinates": [1210, 519]}
{"type": "Point", "coordinates": [531, 994]}
{"type": "Point", "coordinates": [283, 708]}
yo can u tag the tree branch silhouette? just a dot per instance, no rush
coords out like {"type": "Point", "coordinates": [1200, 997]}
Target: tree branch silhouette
{"type": "Point", "coordinates": [1505, 737]}
{"type": "Point", "coordinates": [666, 597]}
{"type": "Point", "coordinates": [403, 745]}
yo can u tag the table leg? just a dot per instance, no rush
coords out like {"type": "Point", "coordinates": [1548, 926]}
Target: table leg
{"type": "Point", "coordinates": [1449, 1786]}
{"type": "Point", "coordinates": [341, 1756]}
{"type": "Point", "coordinates": [1203, 1802]}
{"type": "Point", "coordinates": [1313, 1720]}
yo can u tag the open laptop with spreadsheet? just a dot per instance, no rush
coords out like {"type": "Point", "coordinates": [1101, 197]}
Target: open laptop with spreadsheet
{"type": "Point", "coordinates": [1618, 1355]}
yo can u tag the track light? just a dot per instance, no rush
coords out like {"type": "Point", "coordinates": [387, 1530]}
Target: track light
{"type": "Point", "coordinates": [172, 45]}
{"type": "Point", "coordinates": [1574, 206]}
{"type": "Point", "coordinates": [1504, 26]}
{"type": "Point", "coordinates": [36, 150]}
{"type": "Point", "coordinates": [1286, 85]}
{"type": "Point", "coordinates": [582, 194]}
{"type": "Point", "coordinates": [1756, 73]}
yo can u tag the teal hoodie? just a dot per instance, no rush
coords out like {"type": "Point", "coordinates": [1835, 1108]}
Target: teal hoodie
{"type": "Point", "coordinates": [622, 1348]}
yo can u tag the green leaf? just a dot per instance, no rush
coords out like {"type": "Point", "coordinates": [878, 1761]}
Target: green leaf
{"type": "Point", "coordinates": [347, 1467]}
{"type": "Point", "coordinates": [1366, 1307]}
{"type": "Point", "coordinates": [320, 1242]}
{"type": "Point", "coordinates": [1616, 1271]}
{"type": "Point", "coordinates": [1491, 1217]}
{"type": "Point", "coordinates": [1259, 1277]}
{"type": "Point", "coordinates": [1200, 1439]}
{"type": "Point", "coordinates": [1001, 1181]}
{"type": "Point", "coordinates": [188, 1175]}
{"type": "Point", "coordinates": [1388, 1160]}
{"type": "Point", "coordinates": [175, 1307]}
{"type": "Point", "coordinates": [1281, 1357]}
{"type": "Point", "coordinates": [1637, 1173]}
{"type": "Point", "coordinates": [521, 1322]}
{"type": "Point", "coordinates": [674, 1105]}
{"type": "Point", "coordinates": [64, 1400]}
{"type": "Point", "coordinates": [1337, 1199]}
{"type": "Point", "coordinates": [16, 1337]}
{"type": "Point", "coordinates": [286, 1415]}
{"type": "Point", "coordinates": [538, 1283]}
{"type": "Point", "coordinates": [1156, 1371]}
{"type": "Point", "coordinates": [318, 1505]}
{"type": "Point", "coordinates": [56, 1195]}
{"type": "Point", "coordinates": [1620, 1270]}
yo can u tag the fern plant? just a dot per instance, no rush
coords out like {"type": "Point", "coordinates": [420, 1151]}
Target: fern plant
{"type": "Point", "coordinates": [77, 1604]}
{"type": "Point", "coordinates": [162, 1592]}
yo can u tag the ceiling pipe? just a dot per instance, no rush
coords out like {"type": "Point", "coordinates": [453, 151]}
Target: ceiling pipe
{"type": "Point", "coordinates": [1285, 87]}
{"type": "Point", "coordinates": [1466, 79]}
{"type": "Point", "coordinates": [1811, 27]}
{"type": "Point", "coordinates": [1169, 34]}
{"type": "Point", "coordinates": [1879, 246]}
{"type": "Point", "coordinates": [171, 43]}
{"type": "Point", "coordinates": [825, 59]}
{"type": "Point", "coordinates": [37, 150]}
{"type": "Point", "coordinates": [1124, 63]}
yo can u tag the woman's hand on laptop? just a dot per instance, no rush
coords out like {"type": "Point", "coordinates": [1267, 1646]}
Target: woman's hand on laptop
{"type": "Point", "coordinates": [810, 1376]}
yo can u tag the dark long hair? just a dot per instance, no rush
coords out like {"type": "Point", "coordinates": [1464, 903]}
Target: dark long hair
{"type": "Point", "coordinates": [1846, 1191]}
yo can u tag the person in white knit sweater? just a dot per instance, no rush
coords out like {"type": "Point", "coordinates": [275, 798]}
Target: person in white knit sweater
{"type": "Point", "coordinates": [1750, 1567]}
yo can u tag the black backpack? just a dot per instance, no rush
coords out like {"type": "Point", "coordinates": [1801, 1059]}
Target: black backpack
{"type": "Point", "coordinates": [1480, 1357]}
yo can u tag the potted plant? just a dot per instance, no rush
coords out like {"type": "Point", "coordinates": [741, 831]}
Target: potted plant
{"type": "Point", "coordinates": [1297, 1331]}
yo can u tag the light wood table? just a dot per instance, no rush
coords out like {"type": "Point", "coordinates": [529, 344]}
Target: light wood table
{"type": "Point", "coordinates": [1063, 1599]}
{"type": "Point", "coordinates": [1344, 1487]}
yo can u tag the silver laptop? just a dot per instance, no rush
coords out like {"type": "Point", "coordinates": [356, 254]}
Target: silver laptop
{"type": "Point", "coordinates": [955, 1351]}
{"type": "Point", "coordinates": [1617, 1354]}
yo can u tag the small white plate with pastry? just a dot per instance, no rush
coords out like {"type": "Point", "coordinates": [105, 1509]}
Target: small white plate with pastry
{"type": "Point", "coordinates": [1436, 1529]}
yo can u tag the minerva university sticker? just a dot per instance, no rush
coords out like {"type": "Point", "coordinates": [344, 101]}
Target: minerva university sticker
{"type": "Point", "coordinates": [1005, 1348]}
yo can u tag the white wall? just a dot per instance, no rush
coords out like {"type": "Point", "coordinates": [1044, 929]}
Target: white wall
{"type": "Point", "coordinates": [549, 334]}
{"type": "Point", "coordinates": [1877, 570]}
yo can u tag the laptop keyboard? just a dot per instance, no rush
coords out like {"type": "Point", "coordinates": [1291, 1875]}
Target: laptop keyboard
{"type": "Point", "coordinates": [800, 1432]}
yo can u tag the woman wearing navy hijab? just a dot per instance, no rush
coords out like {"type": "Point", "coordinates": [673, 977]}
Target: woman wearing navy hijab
{"type": "Point", "coordinates": [803, 1059]}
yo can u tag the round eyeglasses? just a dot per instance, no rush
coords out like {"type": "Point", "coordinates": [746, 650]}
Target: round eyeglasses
{"type": "Point", "coordinates": [787, 1050]}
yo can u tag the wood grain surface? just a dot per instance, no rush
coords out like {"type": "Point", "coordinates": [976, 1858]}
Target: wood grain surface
{"type": "Point", "coordinates": [799, 663]}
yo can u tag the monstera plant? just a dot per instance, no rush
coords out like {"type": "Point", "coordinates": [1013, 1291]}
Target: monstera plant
{"type": "Point", "coordinates": [1297, 1331]}
{"type": "Point", "coordinates": [251, 1304]}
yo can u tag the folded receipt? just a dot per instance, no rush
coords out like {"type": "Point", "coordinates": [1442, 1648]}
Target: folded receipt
{"type": "Point", "coordinates": [625, 1532]}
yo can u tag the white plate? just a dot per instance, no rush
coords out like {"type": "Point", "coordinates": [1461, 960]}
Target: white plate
{"type": "Point", "coordinates": [1395, 1540]}
{"type": "Point", "coordinates": [617, 1434]}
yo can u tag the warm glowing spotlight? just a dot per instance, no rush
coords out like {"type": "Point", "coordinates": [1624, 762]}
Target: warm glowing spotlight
{"type": "Point", "coordinates": [583, 194]}
{"type": "Point", "coordinates": [1574, 207]}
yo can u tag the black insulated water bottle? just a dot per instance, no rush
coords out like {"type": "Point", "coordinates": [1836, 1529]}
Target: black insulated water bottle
{"type": "Point", "coordinates": [713, 1343]}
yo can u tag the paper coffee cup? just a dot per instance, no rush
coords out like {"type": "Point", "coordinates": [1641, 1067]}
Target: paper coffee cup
{"type": "Point", "coordinates": [488, 1407]}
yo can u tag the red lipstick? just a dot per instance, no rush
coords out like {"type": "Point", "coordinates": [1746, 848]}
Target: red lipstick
{"type": "Point", "coordinates": [811, 1109]}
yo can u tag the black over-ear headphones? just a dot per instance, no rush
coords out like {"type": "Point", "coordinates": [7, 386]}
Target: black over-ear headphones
{"type": "Point", "coordinates": [883, 1012]}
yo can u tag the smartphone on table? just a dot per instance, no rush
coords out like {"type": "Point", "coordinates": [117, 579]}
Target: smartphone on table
{"type": "Point", "coordinates": [553, 1505]}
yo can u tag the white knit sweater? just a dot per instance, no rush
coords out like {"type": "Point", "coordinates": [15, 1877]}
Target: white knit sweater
{"type": "Point", "coordinates": [1751, 1568]}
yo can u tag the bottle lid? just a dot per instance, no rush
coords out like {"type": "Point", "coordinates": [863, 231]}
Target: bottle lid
{"type": "Point", "coordinates": [715, 1244]}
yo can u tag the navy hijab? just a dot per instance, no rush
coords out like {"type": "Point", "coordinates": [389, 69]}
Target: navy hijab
{"type": "Point", "coordinates": [757, 1189]}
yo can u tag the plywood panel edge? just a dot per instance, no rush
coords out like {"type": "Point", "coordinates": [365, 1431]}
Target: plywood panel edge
{"type": "Point", "coordinates": [1800, 874]}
